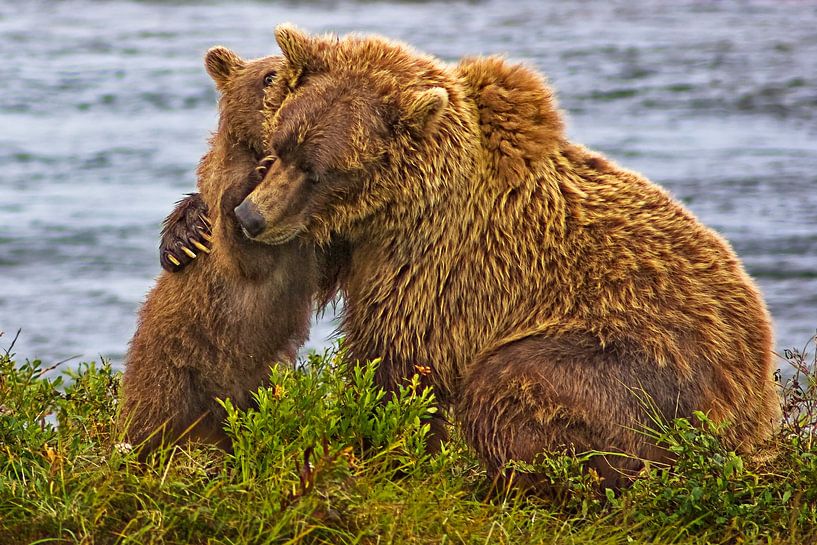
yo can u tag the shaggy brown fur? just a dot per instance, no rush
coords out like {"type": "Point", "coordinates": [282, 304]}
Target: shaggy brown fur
{"type": "Point", "coordinates": [549, 290]}
{"type": "Point", "coordinates": [215, 329]}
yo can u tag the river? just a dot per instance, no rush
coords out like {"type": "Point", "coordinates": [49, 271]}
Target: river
{"type": "Point", "coordinates": [105, 109]}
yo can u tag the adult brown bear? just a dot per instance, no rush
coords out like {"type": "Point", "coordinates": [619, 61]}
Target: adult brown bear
{"type": "Point", "coordinates": [550, 291]}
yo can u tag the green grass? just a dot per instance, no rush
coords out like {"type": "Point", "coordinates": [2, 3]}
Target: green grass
{"type": "Point", "coordinates": [323, 459]}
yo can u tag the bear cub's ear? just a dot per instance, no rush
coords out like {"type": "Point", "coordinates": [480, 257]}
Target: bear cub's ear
{"type": "Point", "coordinates": [423, 110]}
{"type": "Point", "coordinates": [221, 64]}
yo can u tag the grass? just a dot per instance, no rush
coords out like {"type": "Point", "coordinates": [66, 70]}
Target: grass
{"type": "Point", "coordinates": [323, 459]}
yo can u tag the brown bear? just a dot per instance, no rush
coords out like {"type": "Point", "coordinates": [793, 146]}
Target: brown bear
{"type": "Point", "coordinates": [559, 300]}
{"type": "Point", "coordinates": [214, 330]}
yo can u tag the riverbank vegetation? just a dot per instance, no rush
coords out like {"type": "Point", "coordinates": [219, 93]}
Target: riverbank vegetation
{"type": "Point", "coordinates": [323, 459]}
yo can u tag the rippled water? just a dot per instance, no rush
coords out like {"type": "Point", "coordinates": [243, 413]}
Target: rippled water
{"type": "Point", "coordinates": [105, 110]}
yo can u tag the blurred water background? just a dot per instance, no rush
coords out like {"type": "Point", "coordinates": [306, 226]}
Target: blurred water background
{"type": "Point", "coordinates": [105, 109]}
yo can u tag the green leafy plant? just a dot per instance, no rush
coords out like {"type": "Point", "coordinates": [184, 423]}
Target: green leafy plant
{"type": "Point", "coordinates": [326, 417]}
{"type": "Point", "coordinates": [324, 456]}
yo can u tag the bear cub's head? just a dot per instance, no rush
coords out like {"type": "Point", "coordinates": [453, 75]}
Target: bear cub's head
{"type": "Point", "coordinates": [242, 86]}
{"type": "Point", "coordinates": [228, 172]}
{"type": "Point", "coordinates": [352, 124]}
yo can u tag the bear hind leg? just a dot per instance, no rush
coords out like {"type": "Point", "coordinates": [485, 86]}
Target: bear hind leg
{"type": "Point", "coordinates": [522, 401]}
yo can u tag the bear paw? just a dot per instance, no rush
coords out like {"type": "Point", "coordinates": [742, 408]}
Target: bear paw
{"type": "Point", "coordinates": [186, 233]}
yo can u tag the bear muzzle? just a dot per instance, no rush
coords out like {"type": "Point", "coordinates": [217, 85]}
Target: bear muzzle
{"type": "Point", "coordinates": [250, 219]}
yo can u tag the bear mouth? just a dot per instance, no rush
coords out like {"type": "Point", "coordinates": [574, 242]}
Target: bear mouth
{"type": "Point", "coordinates": [279, 238]}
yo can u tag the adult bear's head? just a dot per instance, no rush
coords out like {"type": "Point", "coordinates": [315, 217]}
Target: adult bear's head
{"type": "Point", "coordinates": [357, 126]}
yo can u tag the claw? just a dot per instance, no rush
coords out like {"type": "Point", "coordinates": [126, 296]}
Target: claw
{"type": "Point", "coordinates": [205, 220]}
{"type": "Point", "coordinates": [200, 246]}
{"type": "Point", "coordinates": [189, 252]}
{"type": "Point", "coordinates": [205, 235]}
{"type": "Point", "coordinates": [173, 260]}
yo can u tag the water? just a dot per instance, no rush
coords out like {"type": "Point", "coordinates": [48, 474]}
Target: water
{"type": "Point", "coordinates": [105, 109]}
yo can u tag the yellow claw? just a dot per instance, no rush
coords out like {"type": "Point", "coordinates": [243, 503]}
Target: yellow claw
{"type": "Point", "coordinates": [201, 246]}
{"type": "Point", "coordinates": [173, 260]}
{"type": "Point", "coordinates": [205, 219]}
{"type": "Point", "coordinates": [189, 252]}
{"type": "Point", "coordinates": [205, 236]}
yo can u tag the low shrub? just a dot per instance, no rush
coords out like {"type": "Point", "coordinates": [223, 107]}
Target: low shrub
{"type": "Point", "coordinates": [325, 457]}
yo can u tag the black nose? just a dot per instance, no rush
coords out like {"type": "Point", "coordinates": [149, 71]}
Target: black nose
{"type": "Point", "coordinates": [250, 219]}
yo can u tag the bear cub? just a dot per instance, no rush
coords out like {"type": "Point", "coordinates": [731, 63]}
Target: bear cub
{"type": "Point", "coordinates": [214, 330]}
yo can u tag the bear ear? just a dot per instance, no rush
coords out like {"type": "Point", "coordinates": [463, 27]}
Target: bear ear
{"type": "Point", "coordinates": [423, 110]}
{"type": "Point", "coordinates": [221, 64]}
{"type": "Point", "coordinates": [296, 45]}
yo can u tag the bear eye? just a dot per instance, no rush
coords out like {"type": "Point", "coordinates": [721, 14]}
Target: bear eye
{"type": "Point", "coordinates": [269, 79]}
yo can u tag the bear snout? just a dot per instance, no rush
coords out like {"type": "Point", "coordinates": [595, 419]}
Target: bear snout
{"type": "Point", "coordinates": [250, 219]}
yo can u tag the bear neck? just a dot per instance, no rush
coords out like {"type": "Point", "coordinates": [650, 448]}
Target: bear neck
{"type": "Point", "coordinates": [422, 267]}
